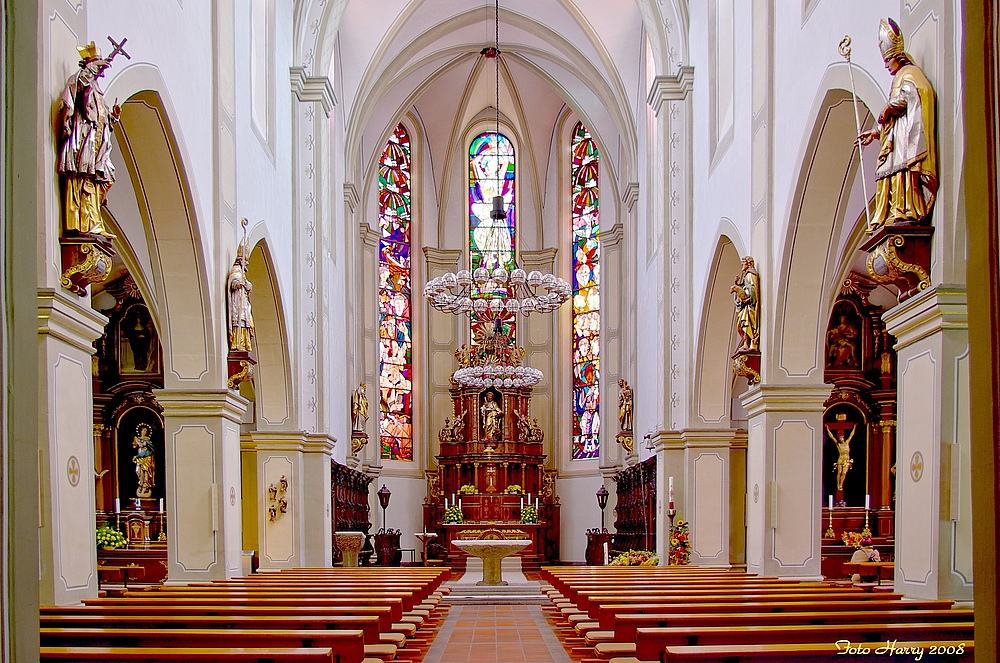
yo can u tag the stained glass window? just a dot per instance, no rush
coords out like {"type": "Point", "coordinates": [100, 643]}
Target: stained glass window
{"type": "Point", "coordinates": [491, 241]}
{"type": "Point", "coordinates": [586, 296]}
{"type": "Point", "coordinates": [395, 347]}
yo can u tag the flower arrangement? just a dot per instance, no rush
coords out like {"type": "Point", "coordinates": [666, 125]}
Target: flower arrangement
{"type": "Point", "coordinates": [852, 539]}
{"type": "Point", "coordinates": [467, 489]}
{"type": "Point", "coordinates": [512, 488]}
{"type": "Point", "coordinates": [453, 514]}
{"type": "Point", "coordinates": [109, 537]}
{"type": "Point", "coordinates": [529, 514]}
{"type": "Point", "coordinates": [636, 558]}
{"type": "Point", "coordinates": [680, 544]}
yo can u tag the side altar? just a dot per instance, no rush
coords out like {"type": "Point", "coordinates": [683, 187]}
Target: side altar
{"type": "Point", "coordinates": [491, 480]}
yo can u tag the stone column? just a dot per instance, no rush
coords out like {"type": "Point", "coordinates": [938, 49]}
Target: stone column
{"type": "Point", "coordinates": [201, 433]}
{"type": "Point", "coordinates": [301, 535]}
{"type": "Point", "coordinates": [715, 467]}
{"type": "Point", "coordinates": [784, 458]}
{"type": "Point", "coordinates": [67, 329]}
{"type": "Point", "coordinates": [933, 471]}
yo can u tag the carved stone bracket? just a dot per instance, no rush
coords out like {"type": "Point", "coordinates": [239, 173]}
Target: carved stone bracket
{"type": "Point", "coordinates": [241, 365]}
{"type": "Point", "coordinates": [86, 259]}
{"type": "Point", "coordinates": [901, 256]}
{"type": "Point", "coordinates": [358, 441]}
{"type": "Point", "coordinates": [624, 438]}
{"type": "Point", "coordinates": [748, 365]}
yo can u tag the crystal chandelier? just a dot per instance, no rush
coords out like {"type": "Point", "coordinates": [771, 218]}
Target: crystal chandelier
{"type": "Point", "coordinates": [487, 295]}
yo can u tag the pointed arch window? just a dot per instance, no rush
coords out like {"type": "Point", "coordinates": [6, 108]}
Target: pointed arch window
{"type": "Point", "coordinates": [395, 344]}
{"type": "Point", "coordinates": [584, 174]}
{"type": "Point", "coordinates": [492, 243]}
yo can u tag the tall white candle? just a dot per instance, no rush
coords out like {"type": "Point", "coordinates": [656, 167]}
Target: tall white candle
{"type": "Point", "coordinates": [670, 489]}
{"type": "Point", "coordinates": [161, 504]}
{"type": "Point", "coordinates": [118, 506]}
{"type": "Point", "coordinates": [522, 501]}
{"type": "Point", "coordinates": [830, 502]}
{"type": "Point", "coordinates": [536, 504]}
{"type": "Point", "coordinates": [867, 502]}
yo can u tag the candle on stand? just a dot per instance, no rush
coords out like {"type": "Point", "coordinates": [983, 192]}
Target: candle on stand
{"type": "Point", "coordinates": [536, 504]}
{"type": "Point", "coordinates": [522, 501]}
{"type": "Point", "coordinates": [670, 493]}
{"type": "Point", "coordinates": [867, 502]}
{"type": "Point", "coordinates": [459, 502]}
{"type": "Point", "coordinates": [831, 501]}
{"type": "Point", "coordinates": [118, 505]}
{"type": "Point", "coordinates": [161, 504]}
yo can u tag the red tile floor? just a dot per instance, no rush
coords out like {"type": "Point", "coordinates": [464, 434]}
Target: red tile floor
{"type": "Point", "coordinates": [494, 633]}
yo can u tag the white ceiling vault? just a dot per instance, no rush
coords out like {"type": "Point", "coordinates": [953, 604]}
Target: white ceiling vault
{"type": "Point", "coordinates": [394, 57]}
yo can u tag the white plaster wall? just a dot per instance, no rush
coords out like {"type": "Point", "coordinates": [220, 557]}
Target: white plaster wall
{"type": "Point", "coordinates": [579, 512]}
{"type": "Point", "coordinates": [405, 512]}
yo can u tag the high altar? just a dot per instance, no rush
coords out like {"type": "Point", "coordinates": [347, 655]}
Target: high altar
{"type": "Point", "coordinates": [492, 446]}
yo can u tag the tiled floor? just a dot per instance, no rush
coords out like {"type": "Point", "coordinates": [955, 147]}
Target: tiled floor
{"type": "Point", "coordinates": [494, 633]}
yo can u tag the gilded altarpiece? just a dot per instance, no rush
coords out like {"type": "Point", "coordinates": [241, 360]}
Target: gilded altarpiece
{"type": "Point", "coordinates": [492, 446]}
{"type": "Point", "coordinates": [859, 424]}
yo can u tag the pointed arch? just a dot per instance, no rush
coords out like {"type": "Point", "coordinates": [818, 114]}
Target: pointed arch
{"type": "Point", "coordinates": [272, 379]}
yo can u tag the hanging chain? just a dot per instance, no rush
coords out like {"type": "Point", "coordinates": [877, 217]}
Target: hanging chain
{"type": "Point", "coordinates": [497, 109]}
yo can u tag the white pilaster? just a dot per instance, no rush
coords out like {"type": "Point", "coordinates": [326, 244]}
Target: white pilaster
{"type": "Point", "coordinates": [67, 329]}
{"type": "Point", "coordinates": [784, 455]}
{"type": "Point", "coordinates": [302, 534]}
{"type": "Point", "coordinates": [715, 471]}
{"type": "Point", "coordinates": [933, 472]}
{"type": "Point", "coordinates": [201, 433]}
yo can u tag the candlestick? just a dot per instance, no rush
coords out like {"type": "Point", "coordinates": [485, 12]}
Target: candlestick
{"type": "Point", "coordinates": [118, 506]}
{"type": "Point", "coordinates": [522, 501]}
{"type": "Point", "coordinates": [161, 504]}
{"type": "Point", "coordinates": [830, 534]}
{"type": "Point", "coordinates": [867, 502]}
{"type": "Point", "coordinates": [670, 489]}
{"type": "Point", "coordinates": [536, 504]}
{"type": "Point", "coordinates": [830, 502]}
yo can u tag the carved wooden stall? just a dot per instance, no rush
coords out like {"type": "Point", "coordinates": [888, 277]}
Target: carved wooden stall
{"type": "Point", "coordinates": [493, 448]}
{"type": "Point", "coordinates": [128, 431]}
{"type": "Point", "coordinates": [859, 422]}
{"type": "Point", "coordinates": [351, 509]}
{"type": "Point", "coordinates": [635, 514]}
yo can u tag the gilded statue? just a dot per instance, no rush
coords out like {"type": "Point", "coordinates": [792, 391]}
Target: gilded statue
{"type": "Point", "coordinates": [145, 464]}
{"type": "Point", "coordinates": [906, 174]}
{"type": "Point", "coordinates": [625, 406]}
{"type": "Point", "coordinates": [842, 439]}
{"type": "Point", "coordinates": [238, 286]}
{"type": "Point", "coordinates": [452, 431]}
{"type": "Point", "coordinates": [463, 356]}
{"type": "Point", "coordinates": [359, 408]}
{"type": "Point", "coordinates": [85, 125]}
{"type": "Point", "coordinates": [491, 416]}
{"type": "Point", "coordinates": [746, 296]}
{"type": "Point", "coordinates": [529, 429]}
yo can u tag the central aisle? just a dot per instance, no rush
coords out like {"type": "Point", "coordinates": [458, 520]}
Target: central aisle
{"type": "Point", "coordinates": [495, 633]}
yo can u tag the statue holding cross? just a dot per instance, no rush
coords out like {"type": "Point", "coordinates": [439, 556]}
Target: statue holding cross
{"type": "Point", "coordinates": [84, 143]}
{"type": "Point", "coordinates": [841, 433]}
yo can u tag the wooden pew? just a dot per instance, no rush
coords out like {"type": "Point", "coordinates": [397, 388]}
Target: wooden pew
{"type": "Point", "coordinates": [275, 597]}
{"type": "Point", "coordinates": [266, 604]}
{"type": "Point", "coordinates": [585, 601]}
{"type": "Point", "coordinates": [183, 655]}
{"type": "Point", "coordinates": [346, 646]}
{"type": "Point", "coordinates": [384, 613]}
{"type": "Point", "coordinates": [367, 624]}
{"type": "Point", "coordinates": [608, 612]}
{"type": "Point", "coordinates": [650, 643]}
{"type": "Point", "coordinates": [814, 653]}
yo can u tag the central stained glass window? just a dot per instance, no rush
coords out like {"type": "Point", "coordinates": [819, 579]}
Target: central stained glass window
{"type": "Point", "coordinates": [395, 343]}
{"type": "Point", "coordinates": [586, 297]}
{"type": "Point", "coordinates": [492, 241]}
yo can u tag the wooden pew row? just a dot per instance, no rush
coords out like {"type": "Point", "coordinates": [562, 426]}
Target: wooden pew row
{"type": "Point", "coordinates": [608, 612]}
{"type": "Point", "coordinates": [651, 643]}
{"type": "Point", "coordinates": [560, 579]}
{"type": "Point", "coordinates": [415, 595]}
{"type": "Point", "coordinates": [367, 624]}
{"type": "Point", "coordinates": [871, 652]}
{"type": "Point", "coordinates": [346, 646]}
{"type": "Point", "coordinates": [288, 596]}
{"type": "Point", "coordinates": [574, 592]}
{"type": "Point", "coordinates": [264, 605]}
{"type": "Point", "coordinates": [727, 594]}
{"type": "Point", "coordinates": [183, 655]}
{"type": "Point", "coordinates": [317, 615]}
